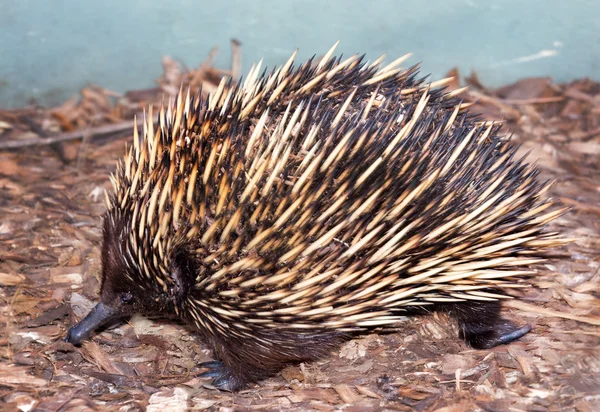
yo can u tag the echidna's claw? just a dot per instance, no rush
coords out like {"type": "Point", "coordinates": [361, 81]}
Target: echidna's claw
{"type": "Point", "coordinates": [216, 369]}
{"type": "Point", "coordinates": [211, 364]}
{"type": "Point", "coordinates": [515, 334]}
{"type": "Point", "coordinates": [211, 374]}
{"type": "Point", "coordinates": [224, 383]}
{"type": "Point", "coordinates": [221, 374]}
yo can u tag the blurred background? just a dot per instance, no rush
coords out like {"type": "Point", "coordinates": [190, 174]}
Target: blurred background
{"type": "Point", "coordinates": [51, 50]}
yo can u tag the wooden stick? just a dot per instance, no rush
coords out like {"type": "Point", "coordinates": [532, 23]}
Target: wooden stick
{"type": "Point", "coordinates": [78, 134]}
{"type": "Point", "coordinates": [536, 100]}
{"type": "Point", "coordinates": [236, 59]}
{"type": "Point", "coordinates": [592, 320]}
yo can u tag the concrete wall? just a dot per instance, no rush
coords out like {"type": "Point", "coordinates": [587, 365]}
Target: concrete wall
{"type": "Point", "coordinates": [50, 49]}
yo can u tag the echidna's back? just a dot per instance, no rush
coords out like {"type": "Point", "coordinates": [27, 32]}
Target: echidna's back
{"type": "Point", "coordinates": [316, 194]}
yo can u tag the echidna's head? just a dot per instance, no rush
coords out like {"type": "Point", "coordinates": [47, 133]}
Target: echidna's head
{"type": "Point", "coordinates": [133, 280]}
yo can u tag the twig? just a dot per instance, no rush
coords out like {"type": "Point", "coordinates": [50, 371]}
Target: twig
{"type": "Point", "coordinates": [82, 148]}
{"type": "Point", "coordinates": [589, 135]}
{"type": "Point", "coordinates": [584, 207]}
{"type": "Point", "coordinates": [37, 129]}
{"type": "Point", "coordinates": [14, 114]}
{"type": "Point", "coordinates": [196, 77]}
{"type": "Point", "coordinates": [457, 376]}
{"type": "Point", "coordinates": [537, 100]}
{"type": "Point", "coordinates": [592, 320]}
{"type": "Point", "coordinates": [91, 132]}
{"type": "Point", "coordinates": [496, 102]}
{"type": "Point", "coordinates": [68, 399]}
{"type": "Point", "coordinates": [236, 58]}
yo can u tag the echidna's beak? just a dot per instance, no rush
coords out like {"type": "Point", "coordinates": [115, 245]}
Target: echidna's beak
{"type": "Point", "coordinates": [96, 318]}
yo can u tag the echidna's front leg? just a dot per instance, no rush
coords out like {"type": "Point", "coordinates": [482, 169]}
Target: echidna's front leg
{"type": "Point", "coordinates": [237, 364]}
{"type": "Point", "coordinates": [241, 362]}
{"type": "Point", "coordinates": [482, 326]}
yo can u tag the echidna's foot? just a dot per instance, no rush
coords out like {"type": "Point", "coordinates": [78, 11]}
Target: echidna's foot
{"type": "Point", "coordinates": [224, 379]}
{"type": "Point", "coordinates": [503, 333]}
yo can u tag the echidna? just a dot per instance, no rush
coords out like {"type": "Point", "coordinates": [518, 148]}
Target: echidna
{"type": "Point", "coordinates": [286, 212]}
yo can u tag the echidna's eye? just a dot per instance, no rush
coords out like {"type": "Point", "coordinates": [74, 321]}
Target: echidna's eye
{"type": "Point", "coordinates": [126, 297]}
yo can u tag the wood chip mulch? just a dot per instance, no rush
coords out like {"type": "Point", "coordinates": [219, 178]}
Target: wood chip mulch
{"type": "Point", "coordinates": [54, 169]}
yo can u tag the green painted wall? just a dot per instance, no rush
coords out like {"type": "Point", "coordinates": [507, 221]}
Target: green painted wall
{"type": "Point", "coordinates": [50, 49]}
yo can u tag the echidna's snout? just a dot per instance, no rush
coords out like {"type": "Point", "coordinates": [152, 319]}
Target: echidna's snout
{"type": "Point", "coordinates": [98, 316]}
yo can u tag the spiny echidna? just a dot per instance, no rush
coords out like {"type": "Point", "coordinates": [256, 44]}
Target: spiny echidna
{"type": "Point", "coordinates": [288, 211]}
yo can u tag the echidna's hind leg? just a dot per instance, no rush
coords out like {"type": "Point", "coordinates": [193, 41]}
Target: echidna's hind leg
{"type": "Point", "coordinates": [482, 326]}
{"type": "Point", "coordinates": [223, 378]}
